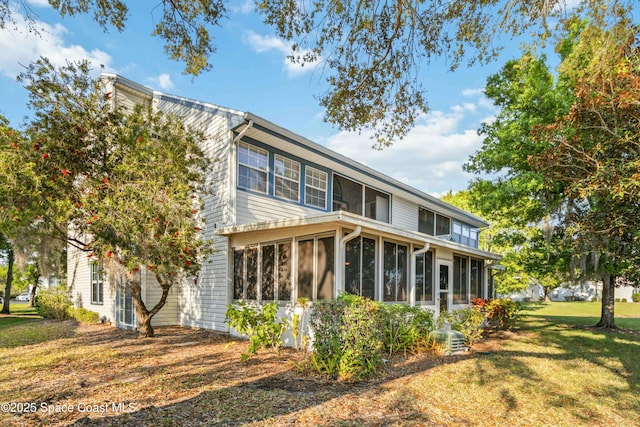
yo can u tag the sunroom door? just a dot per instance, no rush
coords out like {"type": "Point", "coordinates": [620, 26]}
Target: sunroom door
{"type": "Point", "coordinates": [445, 294]}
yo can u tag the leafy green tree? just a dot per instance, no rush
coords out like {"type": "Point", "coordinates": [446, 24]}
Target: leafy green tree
{"type": "Point", "coordinates": [593, 154]}
{"type": "Point", "coordinates": [374, 52]}
{"type": "Point", "coordinates": [565, 150]}
{"type": "Point", "coordinates": [124, 186]}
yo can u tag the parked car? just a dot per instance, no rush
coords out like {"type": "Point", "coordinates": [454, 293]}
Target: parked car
{"type": "Point", "coordinates": [23, 297]}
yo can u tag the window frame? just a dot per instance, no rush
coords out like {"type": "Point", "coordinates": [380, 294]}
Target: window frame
{"type": "Point", "coordinates": [97, 283]}
{"type": "Point", "coordinates": [398, 276]}
{"type": "Point", "coordinates": [283, 176]}
{"type": "Point", "coordinates": [315, 296]}
{"type": "Point", "coordinates": [423, 272]}
{"type": "Point", "coordinates": [362, 202]}
{"type": "Point", "coordinates": [255, 168]}
{"type": "Point", "coordinates": [308, 185]}
{"type": "Point", "coordinates": [461, 279]}
{"type": "Point", "coordinates": [277, 278]}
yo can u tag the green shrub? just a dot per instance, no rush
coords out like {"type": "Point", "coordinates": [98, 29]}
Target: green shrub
{"type": "Point", "coordinates": [325, 322]}
{"type": "Point", "coordinates": [83, 315]}
{"type": "Point", "coordinates": [53, 303]}
{"type": "Point", "coordinates": [347, 337]}
{"type": "Point", "coordinates": [635, 297]}
{"type": "Point", "coordinates": [501, 313]}
{"type": "Point", "coordinates": [258, 323]}
{"type": "Point", "coordinates": [406, 328]}
{"type": "Point", "coordinates": [623, 300]}
{"type": "Point", "coordinates": [468, 321]}
{"type": "Point", "coordinates": [617, 300]}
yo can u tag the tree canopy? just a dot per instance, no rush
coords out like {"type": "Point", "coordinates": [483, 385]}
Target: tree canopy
{"type": "Point", "coordinates": [124, 186]}
{"type": "Point", "coordinates": [374, 53]}
{"type": "Point", "coordinates": [566, 147]}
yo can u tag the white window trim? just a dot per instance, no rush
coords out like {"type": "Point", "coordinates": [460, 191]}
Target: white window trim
{"type": "Point", "coordinates": [307, 185]}
{"type": "Point", "coordinates": [276, 175]}
{"type": "Point", "coordinates": [265, 170]}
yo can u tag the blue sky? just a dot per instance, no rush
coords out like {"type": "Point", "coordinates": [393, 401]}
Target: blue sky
{"type": "Point", "coordinates": [250, 73]}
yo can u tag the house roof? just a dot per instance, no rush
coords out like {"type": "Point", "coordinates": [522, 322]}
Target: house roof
{"type": "Point", "coordinates": [350, 220]}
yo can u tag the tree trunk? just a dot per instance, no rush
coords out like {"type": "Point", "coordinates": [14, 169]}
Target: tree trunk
{"type": "Point", "coordinates": [32, 296]}
{"type": "Point", "coordinates": [145, 330]}
{"type": "Point", "coordinates": [7, 288]}
{"type": "Point", "coordinates": [607, 319]}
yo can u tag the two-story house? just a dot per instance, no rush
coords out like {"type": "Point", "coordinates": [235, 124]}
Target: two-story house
{"type": "Point", "coordinates": [291, 218]}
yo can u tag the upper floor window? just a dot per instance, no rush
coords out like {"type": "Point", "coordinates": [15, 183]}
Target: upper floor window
{"type": "Point", "coordinates": [253, 167]}
{"type": "Point", "coordinates": [426, 221]}
{"type": "Point", "coordinates": [432, 223]}
{"type": "Point", "coordinates": [443, 225]}
{"type": "Point", "coordinates": [359, 199]}
{"type": "Point", "coordinates": [287, 178]}
{"type": "Point", "coordinates": [315, 187]}
{"type": "Point", "coordinates": [465, 234]}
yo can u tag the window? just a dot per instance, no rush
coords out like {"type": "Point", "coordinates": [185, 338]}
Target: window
{"type": "Point", "coordinates": [424, 278]}
{"type": "Point", "coordinates": [253, 167]}
{"type": "Point", "coordinates": [360, 267]}
{"type": "Point", "coordinates": [315, 188]}
{"type": "Point", "coordinates": [464, 234]}
{"type": "Point", "coordinates": [316, 268]}
{"type": "Point", "coordinates": [266, 277]}
{"type": "Point", "coordinates": [347, 195]}
{"type": "Point", "coordinates": [443, 225]}
{"type": "Point", "coordinates": [376, 205]}
{"type": "Point", "coordinates": [426, 222]}
{"type": "Point", "coordinates": [287, 178]}
{"type": "Point", "coordinates": [395, 272]}
{"type": "Point", "coordinates": [356, 198]}
{"type": "Point", "coordinates": [97, 283]}
{"type": "Point", "coordinates": [475, 286]}
{"type": "Point", "coordinates": [460, 280]}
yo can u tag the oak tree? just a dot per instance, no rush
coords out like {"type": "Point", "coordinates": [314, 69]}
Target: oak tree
{"type": "Point", "coordinates": [374, 53]}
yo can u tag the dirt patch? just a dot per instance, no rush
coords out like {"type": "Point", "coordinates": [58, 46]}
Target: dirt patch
{"type": "Point", "coordinates": [108, 376]}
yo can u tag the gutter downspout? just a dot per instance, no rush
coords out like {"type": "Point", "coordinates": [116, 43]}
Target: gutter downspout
{"type": "Point", "coordinates": [241, 134]}
{"type": "Point", "coordinates": [414, 254]}
{"type": "Point", "coordinates": [342, 258]}
{"type": "Point", "coordinates": [233, 161]}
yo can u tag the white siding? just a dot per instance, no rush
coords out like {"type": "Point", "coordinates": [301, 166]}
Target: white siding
{"type": "Point", "coordinates": [202, 302]}
{"type": "Point", "coordinates": [168, 314]}
{"type": "Point", "coordinates": [252, 208]}
{"type": "Point", "coordinates": [404, 213]}
{"type": "Point", "coordinates": [79, 283]}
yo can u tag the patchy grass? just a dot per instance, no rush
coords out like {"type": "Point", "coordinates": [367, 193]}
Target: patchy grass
{"type": "Point", "coordinates": [542, 374]}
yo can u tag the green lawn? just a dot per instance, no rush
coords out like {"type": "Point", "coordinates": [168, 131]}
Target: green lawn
{"type": "Point", "coordinates": [627, 314]}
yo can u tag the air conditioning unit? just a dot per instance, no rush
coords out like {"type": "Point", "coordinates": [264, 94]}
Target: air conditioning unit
{"type": "Point", "coordinates": [452, 342]}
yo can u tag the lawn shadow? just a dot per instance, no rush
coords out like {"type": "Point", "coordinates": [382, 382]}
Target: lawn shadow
{"type": "Point", "coordinates": [615, 351]}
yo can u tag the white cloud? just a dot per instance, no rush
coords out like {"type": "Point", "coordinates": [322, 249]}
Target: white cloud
{"type": "Point", "coordinates": [263, 44]}
{"type": "Point", "coordinates": [163, 81]}
{"type": "Point", "coordinates": [242, 7]}
{"type": "Point", "coordinates": [20, 47]}
{"type": "Point", "coordinates": [430, 157]}
{"type": "Point", "coordinates": [38, 3]}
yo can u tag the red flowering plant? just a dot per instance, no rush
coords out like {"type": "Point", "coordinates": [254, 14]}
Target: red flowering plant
{"type": "Point", "coordinates": [479, 303]}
